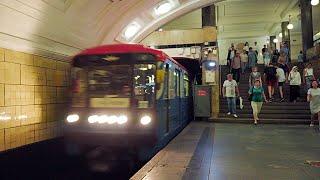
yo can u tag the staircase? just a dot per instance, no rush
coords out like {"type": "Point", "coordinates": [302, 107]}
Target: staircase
{"type": "Point", "coordinates": [275, 112]}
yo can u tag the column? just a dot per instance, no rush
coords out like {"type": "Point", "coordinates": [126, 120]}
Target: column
{"type": "Point", "coordinates": [208, 16]}
{"type": "Point", "coordinates": [306, 25]}
{"type": "Point", "coordinates": [209, 24]}
{"type": "Point", "coordinates": [272, 44]}
{"type": "Point", "coordinates": [286, 36]}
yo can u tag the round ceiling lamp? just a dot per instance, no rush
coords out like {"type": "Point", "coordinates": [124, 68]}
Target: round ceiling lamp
{"type": "Point", "coordinates": [290, 25]}
{"type": "Point", "coordinates": [280, 35]}
{"type": "Point", "coordinates": [275, 40]}
{"type": "Point", "coordinates": [131, 30]}
{"type": "Point", "coordinates": [163, 8]}
{"type": "Point", "coordinates": [314, 2]}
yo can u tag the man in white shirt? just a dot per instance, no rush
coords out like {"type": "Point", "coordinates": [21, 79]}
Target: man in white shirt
{"type": "Point", "coordinates": [231, 91]}
{"type": "Point", "coordinates": [281, 80]}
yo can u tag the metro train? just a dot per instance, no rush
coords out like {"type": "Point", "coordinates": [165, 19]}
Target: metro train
{"type": "Point", "coordinates": [127, 95]}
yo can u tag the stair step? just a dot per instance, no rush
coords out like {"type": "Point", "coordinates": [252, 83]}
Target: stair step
{"type": "Point", "coordinates": [264, 107]}
{"type": "Point", "coordinates": [262, 121]}
{"type": "Point", "coordinates": [285, 104]}
{"type": "Point", "coordinates": [268, 111]}
{"type": "Point", "coordinates": [273, 116]}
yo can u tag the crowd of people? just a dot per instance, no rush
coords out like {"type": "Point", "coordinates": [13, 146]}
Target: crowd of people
{"type": "Point", "coordinates": [278, 71]}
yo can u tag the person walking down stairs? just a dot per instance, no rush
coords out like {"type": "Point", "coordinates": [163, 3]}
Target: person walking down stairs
{"type": "Point", "coordinates": [256, 97]}
{"type": "Point", "coordinates": [230, 92]}
{"type": "Point", "coordinates": [314, 99]}
{"type": "Point", "coordinates": [295, 83]}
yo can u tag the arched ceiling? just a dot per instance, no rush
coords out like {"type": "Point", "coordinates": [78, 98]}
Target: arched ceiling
{"type": "Point", "coordinates": [63, 27]}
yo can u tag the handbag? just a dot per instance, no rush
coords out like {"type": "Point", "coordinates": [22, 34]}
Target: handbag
{"type": "Point", "coordinates": [251, 94]}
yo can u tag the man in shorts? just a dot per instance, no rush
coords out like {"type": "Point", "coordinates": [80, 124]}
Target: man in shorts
{"type": "Point", "coordinates": [270, 77]}
{"type": "Point", "coordinates": [230, 91]}
{"type": "Point", "coordinates": [281, 80]}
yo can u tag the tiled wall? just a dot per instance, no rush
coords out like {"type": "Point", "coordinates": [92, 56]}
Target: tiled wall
{"type": "Point", "coordinates": [33, 97]}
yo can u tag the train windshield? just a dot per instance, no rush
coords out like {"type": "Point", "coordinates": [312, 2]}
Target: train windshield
{"type": "Point", "coordinates": [112, 80]}
{"type": "Point", "coordinates": [115, 81]}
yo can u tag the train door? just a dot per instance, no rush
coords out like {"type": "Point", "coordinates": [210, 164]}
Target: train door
{"type": "Point", "coordinates": [178, 96]}
{"type": "Point", "coordinates": [166, 97]}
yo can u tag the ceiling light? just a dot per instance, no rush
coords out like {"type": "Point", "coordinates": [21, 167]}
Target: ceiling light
{"type": "Point", "coordinates": [290, 26]}
{"type": "Point", "coordinates": [131, 30]}
{"type": "Point", "coordinates": [280, 34]}
{"type": "Point", "coordinates": [163, 8]}
{"type": "Point", "coordinates": [314, 2]}
{"type": "Point", "coordinates": [275, 40]}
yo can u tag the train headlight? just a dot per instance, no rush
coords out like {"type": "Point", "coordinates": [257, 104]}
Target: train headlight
{"type": "Point", "coordinates": [92, 119]}
{"type": "Point", "coordinates": [103, 119]}
{"type": "Point", "coordinates": [145, 120]}
{"type": "Point", "coordinates": [122, 119]}
{"type": "Point", "coordinates": [73, 118]}
{"type": "Point", "coordinates": [112, 119]}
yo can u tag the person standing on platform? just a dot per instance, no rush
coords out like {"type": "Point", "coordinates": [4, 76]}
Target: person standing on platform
{"type": "Point", "coordinates": [257, 96]}
{"type": "Point", "coordinates": [300, 60]}
{"type": "Point", "coordinates": [244, 61]}
{"type": "Point", "coordinates": [275, 56]}
{"type": "Point", "coordinates": [254, 75]}
{"type": "Point", "coordinates": [255, 48]}
{"type": "Point", "coordinates": [314, 99]}
{"type": "Point", "coordinates": [295, 83]}
{"type": "Point", "coordinates": [266, 57]}
{"type": "Point", "coordinates": [308, 76]}
{"type": "Point", "coordinates": [246, 47]}
{"type": "Point", "coordinates": [231, 54]}
{"type": "Point", "coordinates": [286, 51]}
{"type": "Point", "coordinates": [252, 57]}
{"type": "Point", "coordinates": [270, 77]}
{"type": "Point", "coordinates": [236, 67]}
{"type": "Point", "coordinates": [281, 80]}
{"type": "Point", "coordinates": [231, 91]}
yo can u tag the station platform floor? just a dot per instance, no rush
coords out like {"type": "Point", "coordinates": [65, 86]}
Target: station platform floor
{"type": "Point", "coordinates": [217, 151]}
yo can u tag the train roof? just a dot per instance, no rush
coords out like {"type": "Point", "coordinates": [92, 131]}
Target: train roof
{"type": "Point", "coordinates": [127, 48]}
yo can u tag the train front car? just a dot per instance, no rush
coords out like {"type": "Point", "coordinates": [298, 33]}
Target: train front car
{"type": "Point", "coordinates": [127, 95]}
{"type": "Point", "coordinates": [113, 97]}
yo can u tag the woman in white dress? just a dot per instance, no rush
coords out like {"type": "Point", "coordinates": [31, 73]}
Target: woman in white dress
{"type": "Point", "coordinates": [314, 99]}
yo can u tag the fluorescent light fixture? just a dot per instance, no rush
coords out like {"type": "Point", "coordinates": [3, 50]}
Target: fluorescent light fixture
{"type": "Point", "coordinates": [275, 40]}
{"type": "Point", "coordinates": [131, 30]}
{"type": "Point", "coordinates": [314, 2]}
{"type": "Point", "coordinates": [280, 34]}
{"type": "Point", "coordinates": [290, 26]}
{"type": "Point", "coordinates": [163, 8]}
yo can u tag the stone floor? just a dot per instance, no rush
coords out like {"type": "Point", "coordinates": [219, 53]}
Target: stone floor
{"type": "Point", "coordinates": [237, 151]}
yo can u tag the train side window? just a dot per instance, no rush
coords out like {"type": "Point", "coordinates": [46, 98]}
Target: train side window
{"type": "Point", "coordinates": [186, 85]}
{"type": "Point", "coordinates": [161, 81]}
{"type": "Point", "coordinates": [172, 84]}
{"type": "Point", "coordinates": [177, 83]}
{"type": "Point", "coordinates": [182, 91]}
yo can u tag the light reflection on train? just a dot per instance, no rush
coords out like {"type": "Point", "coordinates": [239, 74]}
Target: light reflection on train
{"type": "Point", "coordinates": [127, 95]}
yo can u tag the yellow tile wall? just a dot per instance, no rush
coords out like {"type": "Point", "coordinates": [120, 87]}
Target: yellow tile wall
{"type": "Point", "coordinates": [10, 73]}
{"type": "Point", "coordinates": [30, 88]}
{"type": "Point", "coordinates": [44, 62]}
{"type": "Point", "coordinates": [2, 147]}
{"type": "Point", "coordinates": [18, 57]}
{"type": "Point", "coordinates": [1, 94]}
{"type": "Point", "coordinates": [31, 75]}
{"type": "Point", "coordinates": [1, 54]}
